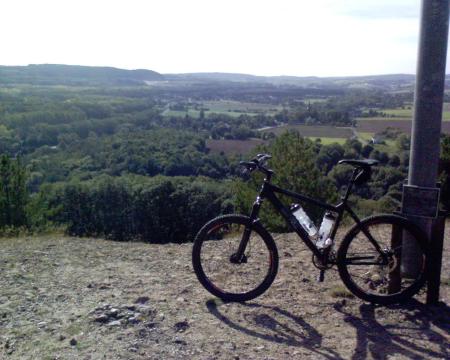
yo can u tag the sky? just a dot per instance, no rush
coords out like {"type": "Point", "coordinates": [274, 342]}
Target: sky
{"type": "Point", "coordinates": [260, 37]}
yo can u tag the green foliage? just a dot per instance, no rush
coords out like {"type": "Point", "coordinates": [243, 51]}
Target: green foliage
{"type": "Point", "coordinates": [444, 170]}
{"type": "Point", "coordinates": [13, 193]}
{"type": "Point", "coordinates": [158, 210]}
{"type": "Point", "coordinates": [104, 151]}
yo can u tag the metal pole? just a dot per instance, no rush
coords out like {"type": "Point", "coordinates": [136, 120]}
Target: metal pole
{"type": "Point", "coordinates": [428, 101]}
{"type": "Point", "coordinates": [429, 93]}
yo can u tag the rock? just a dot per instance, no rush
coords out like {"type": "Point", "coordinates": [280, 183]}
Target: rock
{"type": "Point", "coordinates": [113, 312]}
{"type": "Point", "coordinates": [42, 324]}
{"type": "Point", "coordinates": [143, 309]}
{"type": "Point", "coordinates": [134, 320]}
{"type": "Point", "coordinates": [180, 341]}
{"type": "Point", "coordinates": [102, 318]}
{"type": "Point", "coordinates": [115, 323]}
{"type": "Point", "coordinates": [142, 300]}
{"type": "Point", "coordinates": [130, 307]}
{"type": "Point", "coordinates": [61, 337]}
{"type": "Point", "coordinates": [181, 299]}
{"type": "Point", "coordinates": [73, 342]}
{"type": "Point", "coordinates": [103, 306]}
{"type": "Point", "coordinates": [181, 326]}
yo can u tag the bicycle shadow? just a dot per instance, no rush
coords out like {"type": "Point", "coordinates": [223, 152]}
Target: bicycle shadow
{"type": "Point", "coordinates": [275, 325]}
{"type": "Point", "coordinates": [382, 342]}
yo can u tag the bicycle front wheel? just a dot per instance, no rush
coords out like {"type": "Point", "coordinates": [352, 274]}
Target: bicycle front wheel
{"type": "Point", "coordinates": [373, 262]}
{"type": "Point", "coordinates": [215, 264]}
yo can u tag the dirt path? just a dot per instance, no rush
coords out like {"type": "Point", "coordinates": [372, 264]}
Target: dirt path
{"type": "Point", "coordinates": [71, 298]}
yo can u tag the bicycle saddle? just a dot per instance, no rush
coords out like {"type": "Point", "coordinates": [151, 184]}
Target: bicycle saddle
{"type": "Point", "coordinates": [365, 163]}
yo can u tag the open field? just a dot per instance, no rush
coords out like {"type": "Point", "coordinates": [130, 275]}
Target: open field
{"type": "Point", "coordinates": [375, 125]}
{"type": "Point", "coordinates": [227, 107]}
{"type": "Point", "coordinates": [238, 106]}
{"type": "Point", "coordinates": [407, 113]}
{"type": "Point", "coordinates": [327, 134]}
{"type": "Point", "coordinates": [314, 131]}
{"type": "Point", "coordinates": [72, 298]}
{"type": "Point", "coordinates": [328, 140]}
{"type": "Point", "coordinates": [380, 118]}
{"type": "Point", "coordinates": [365, 136]}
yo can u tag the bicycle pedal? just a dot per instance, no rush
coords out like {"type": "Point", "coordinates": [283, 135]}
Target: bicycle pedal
{"type": "Point", "coordinates": [321, 276]}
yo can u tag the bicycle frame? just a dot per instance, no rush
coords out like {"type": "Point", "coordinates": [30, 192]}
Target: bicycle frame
{"type": "Point", "coordinates": [268, 191]}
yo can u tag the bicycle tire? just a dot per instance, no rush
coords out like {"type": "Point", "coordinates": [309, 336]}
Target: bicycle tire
{"type": "Point", "coordinates": [381, 283]}
{"type": "Point", "coordinates": [214, 283]}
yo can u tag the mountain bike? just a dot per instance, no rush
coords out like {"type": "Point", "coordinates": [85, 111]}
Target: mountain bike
{"type": "Point", "coordinates": [236, 259]}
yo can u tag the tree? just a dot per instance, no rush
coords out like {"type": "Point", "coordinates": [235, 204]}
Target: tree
{"type": "Point", "coordinates": [294, 163]}
{"type": "Point", "coordinates": [13, 193]}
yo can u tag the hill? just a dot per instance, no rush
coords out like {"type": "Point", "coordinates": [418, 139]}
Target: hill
{"type": "Point", "coordinates": [55, 74]}
{"type": "Point", "coordinates": [58, 74]}
{"type": "Point", "coordinates": [391, 82]}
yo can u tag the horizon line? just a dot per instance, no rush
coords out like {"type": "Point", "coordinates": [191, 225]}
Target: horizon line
{"type": "Point", "coordinates": [213, 72]}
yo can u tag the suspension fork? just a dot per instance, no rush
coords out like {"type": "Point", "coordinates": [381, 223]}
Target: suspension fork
{"type": "Point", "coordinates": [239, 256]}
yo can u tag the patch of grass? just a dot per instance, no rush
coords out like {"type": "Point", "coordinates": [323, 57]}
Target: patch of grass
{"type": "Point", "coordinates": [408, 113]}
{"type": "Point", "coordinates": [315, 131]}
{"type": "Point", "coordinates": [399, 112]}
{"type": "Point", "coordinates": [226, 107]}
{"type": "Point", "coordinates": [365, 136]}
{"type": "Point", "coordinates": [328, 140]}
{"type": "Point", "coordinates": [239, 107]}
{"type": "Point", "coordinates": [339, 291]}
{"type": "Point", "coordinates": [389, 147]}
{"type": "Point", "coordinates": [445, 282]}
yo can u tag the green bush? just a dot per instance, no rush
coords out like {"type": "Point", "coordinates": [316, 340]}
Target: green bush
{"type": "Point", "coordinates": [157, 210]}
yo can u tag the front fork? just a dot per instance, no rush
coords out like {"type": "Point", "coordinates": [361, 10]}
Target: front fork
{"type": "Point", "coordinates": [239, 256]}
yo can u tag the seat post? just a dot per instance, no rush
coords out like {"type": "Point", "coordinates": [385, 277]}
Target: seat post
{"type": "Point", "coordinates": [350, 186]}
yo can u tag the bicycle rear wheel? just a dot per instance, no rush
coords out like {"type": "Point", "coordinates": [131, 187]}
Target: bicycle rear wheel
{"type": "Point", "coordinates": [213, 258]}
{"type": "Point", "coordinates": [375, 269]}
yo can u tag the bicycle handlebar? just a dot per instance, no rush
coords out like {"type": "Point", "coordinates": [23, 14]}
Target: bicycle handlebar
{"type": "Point", "coordinates": [257, 163]}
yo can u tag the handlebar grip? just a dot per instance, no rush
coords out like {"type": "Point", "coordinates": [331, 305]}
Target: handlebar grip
{"type": "Point", "coordinates": [247, 163]}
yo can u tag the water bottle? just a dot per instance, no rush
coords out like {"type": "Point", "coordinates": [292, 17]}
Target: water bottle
{"type": "Point", "coordinates": [303, 219]}
{"type": "Point", "coordinates": [323, 240]}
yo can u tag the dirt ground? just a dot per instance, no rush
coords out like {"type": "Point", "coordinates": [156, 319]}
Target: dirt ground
{"type": "Point", "coordinates": [72, 298]}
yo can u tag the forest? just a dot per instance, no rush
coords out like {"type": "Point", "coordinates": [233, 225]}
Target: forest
{"type": "Point", "coordinates": [125, 155]}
